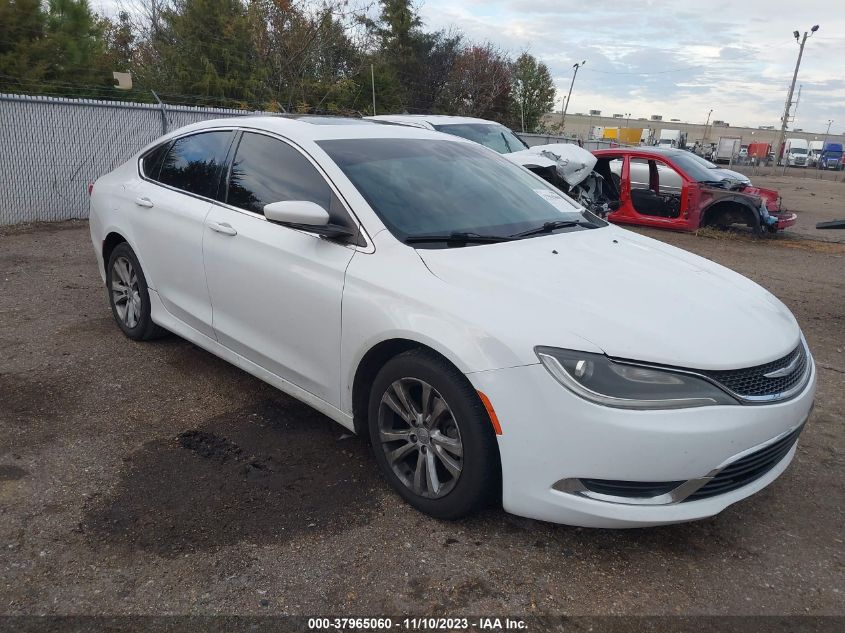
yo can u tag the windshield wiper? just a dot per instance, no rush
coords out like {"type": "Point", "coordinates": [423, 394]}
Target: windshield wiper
{"type": "Point", "coordinates": [549, 227]}
{"type": "Point", "coordinates": [508, 145]}
{"type": "Point", "coordinates": [457, 237]}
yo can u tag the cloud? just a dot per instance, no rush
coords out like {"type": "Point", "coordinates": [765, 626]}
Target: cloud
{"type": "Point", "coordinates": [679, 58]}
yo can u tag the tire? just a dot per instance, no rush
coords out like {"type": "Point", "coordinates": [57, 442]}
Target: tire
{"type": "Point", "coordinates": [461, 431]}
{"type": "Point", "coordinates": [129, 296]}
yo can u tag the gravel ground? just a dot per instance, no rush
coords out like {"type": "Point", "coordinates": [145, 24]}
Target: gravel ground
{"type": "Point", "coordinates": [154, 478]}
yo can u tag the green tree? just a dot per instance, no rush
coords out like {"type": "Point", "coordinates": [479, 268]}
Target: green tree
{"type": "Point", "coordinates": [74, 42]}
{"type": "Point", "coordinates": [21, 28]}
{"type": "Point", "coordinates": [532, 92]}
{"type": "Point", "coordinates": [206, 48]}
{"type": "Point", "coordinates": [414, 65]}
{"type": "Point", "coordinates": [56, 48]}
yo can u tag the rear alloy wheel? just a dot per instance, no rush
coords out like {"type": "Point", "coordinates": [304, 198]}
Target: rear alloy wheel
{"type": "Point", "coordinates": [129, 296]}
{"type": "Point", "coordinates": [432, 437]}
{"type": "Point", "coordinates": [125, 292]}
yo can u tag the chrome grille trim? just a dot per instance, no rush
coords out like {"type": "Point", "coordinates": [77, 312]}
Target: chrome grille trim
{"type": "Point", "coordinates": [770, 382]}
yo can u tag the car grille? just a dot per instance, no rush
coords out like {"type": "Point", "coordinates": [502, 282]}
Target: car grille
{"type": "Point", "coordinates": [747, 469]}
{"type": "Point", "coordinates": [752, 384]}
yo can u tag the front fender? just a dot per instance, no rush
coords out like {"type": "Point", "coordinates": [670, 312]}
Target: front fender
{"type": "Point", "coordinates": [713, 199]}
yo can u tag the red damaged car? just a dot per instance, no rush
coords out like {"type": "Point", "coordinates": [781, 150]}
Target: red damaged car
{"type": "Point", "coordinates": [673, 188]}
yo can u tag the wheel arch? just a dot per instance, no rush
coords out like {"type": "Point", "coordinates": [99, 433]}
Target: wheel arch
{"type": "Point", "coordinates": [732, 208]}
{"type": "Point", "coordinates": [109, 244]}
{"type": "Point", "coordinates": [370, 364]}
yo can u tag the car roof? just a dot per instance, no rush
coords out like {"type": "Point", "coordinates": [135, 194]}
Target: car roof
{"type": "Point", "coordinates": [649, 149]}
{"type": "Point", "coordinates": [316, 128]}
{"type": "Point", "coordinates": [431, 119]}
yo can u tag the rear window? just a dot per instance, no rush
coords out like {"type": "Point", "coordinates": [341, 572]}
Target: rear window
{"type": "Point", "coordinates": [193, 163]}
{"type": "Point", "coordinates": [496, 137]}
{"type": "Point", "coordinates": [151, 162]}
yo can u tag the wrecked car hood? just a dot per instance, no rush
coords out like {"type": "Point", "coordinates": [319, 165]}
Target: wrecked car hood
{"type": "Point", "coordinates": [571, 162]}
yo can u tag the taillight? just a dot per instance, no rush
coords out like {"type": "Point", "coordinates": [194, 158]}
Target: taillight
{"type": "Point", "coordinates": [90, 187]}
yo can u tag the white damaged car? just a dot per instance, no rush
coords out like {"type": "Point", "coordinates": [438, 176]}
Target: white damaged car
{"type": "Point", "coordinates": [494, 340]}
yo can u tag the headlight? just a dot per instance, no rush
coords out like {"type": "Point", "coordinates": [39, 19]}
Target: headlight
{"type": "Point", "coordinates": [599, 379]}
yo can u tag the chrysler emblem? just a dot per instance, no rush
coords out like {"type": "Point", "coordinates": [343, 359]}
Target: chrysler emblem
{"type": "Point", "coordinates": [784, 371]}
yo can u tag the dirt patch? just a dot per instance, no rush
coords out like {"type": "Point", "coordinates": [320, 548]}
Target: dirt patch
{"type": "Point", "coordinates": [155, 478]}
{"type": "Point", "coordinates": [260, 474]}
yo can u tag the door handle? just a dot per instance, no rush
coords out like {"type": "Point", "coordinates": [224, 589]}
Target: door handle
{"type": "Point", "coordinates": [144, 202]}
{"type": "Point", "coordinates": [222, 227]}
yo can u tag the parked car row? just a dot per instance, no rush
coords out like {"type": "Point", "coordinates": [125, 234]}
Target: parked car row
{"type": "Point", "coordinates": [492, 338]}
{"type": "Point", "coordinates": [650, 186]}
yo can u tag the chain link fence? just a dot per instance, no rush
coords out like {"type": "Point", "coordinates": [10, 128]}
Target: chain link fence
{"type": "Point", "coordinates": [51, 148]}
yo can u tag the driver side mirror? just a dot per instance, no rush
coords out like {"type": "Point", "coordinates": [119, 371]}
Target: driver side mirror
{"type": "Point", "coordinates": [305, 216]}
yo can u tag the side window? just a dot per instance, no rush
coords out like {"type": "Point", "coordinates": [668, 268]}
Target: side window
{"type": "Point", "coordinates": [151, 162]}
{"type": "Point", "coordinates": [639, 173]}
{"type": "Point", "coordinates": [193, 163]}
{"type": "Point", "coordinates": [670, 181]}
{"type": "Point", "coordinates": [267, 170]}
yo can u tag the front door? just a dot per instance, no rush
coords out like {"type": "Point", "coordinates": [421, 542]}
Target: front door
{"type": "Point", "coordinates": [276, 291]}
{"type": "Point", "coordinates": [652, 193]}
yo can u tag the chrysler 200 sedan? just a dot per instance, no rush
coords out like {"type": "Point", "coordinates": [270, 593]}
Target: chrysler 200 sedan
{"type": "Point", "coordinates": [493, 340]}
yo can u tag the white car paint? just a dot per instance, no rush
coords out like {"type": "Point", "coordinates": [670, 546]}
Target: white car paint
{"type": "Point", "coordinates": [300, 313]}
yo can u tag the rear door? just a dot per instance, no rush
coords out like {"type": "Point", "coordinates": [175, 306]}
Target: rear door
{"type": "Point", "coordinates": [171, 202]}
{"type": "Point", "coordinates": [276, 290]}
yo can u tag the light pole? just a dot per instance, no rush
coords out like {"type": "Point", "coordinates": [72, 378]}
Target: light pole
{"type": "Point", "coordinates": [785, 119]}
{"type": "Point", "coordinates": [569, 96]}
{"type": "Point", "coordinates": [824, 142]}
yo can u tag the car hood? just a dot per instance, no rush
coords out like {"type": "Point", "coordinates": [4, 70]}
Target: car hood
{"type": "Point", "coordinates": [628, 295]}
{"type": "Point", "coordinates": [572, 163]}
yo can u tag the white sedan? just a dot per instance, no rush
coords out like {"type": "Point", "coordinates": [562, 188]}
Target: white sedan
{"type": "Point", "coordinates": [493, 340]}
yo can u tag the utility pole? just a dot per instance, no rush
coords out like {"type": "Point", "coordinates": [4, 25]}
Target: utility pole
{"type": "Point", "coordinates": [373, 82]}
{"type": "Point", "coordinates": [785, 118]}
{"type": "Point", "coordinates": [522, 110]}
{"type": "Point", "coordinates": [569, 96]}
{"type": "Point", "coordinates": [824, 142]}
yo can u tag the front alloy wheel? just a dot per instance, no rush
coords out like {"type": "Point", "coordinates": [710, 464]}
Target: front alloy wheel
{"type": "Point", "coordinates": [420, 438]}
{"type": "Point", "coordinates": [432, 437]}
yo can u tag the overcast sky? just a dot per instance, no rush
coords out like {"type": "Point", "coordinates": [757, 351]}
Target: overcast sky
{"type": "Point", "coordinates": [678, 58]}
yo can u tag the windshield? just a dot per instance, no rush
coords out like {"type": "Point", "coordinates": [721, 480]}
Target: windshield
{"type": "Point", "coordinates": [695, 167]}
{"type": "Point", "coordinates": [496, 137]}
{"type": "Point", "coordinates": [421, 187]}
{"type": "Point", "coordinates": [703, 161]}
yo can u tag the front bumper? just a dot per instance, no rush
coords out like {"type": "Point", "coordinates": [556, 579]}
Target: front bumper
{"type": "Point", "coordinates": [785, 219]}
{"type": "Point", "coordinates": [550, 435]}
